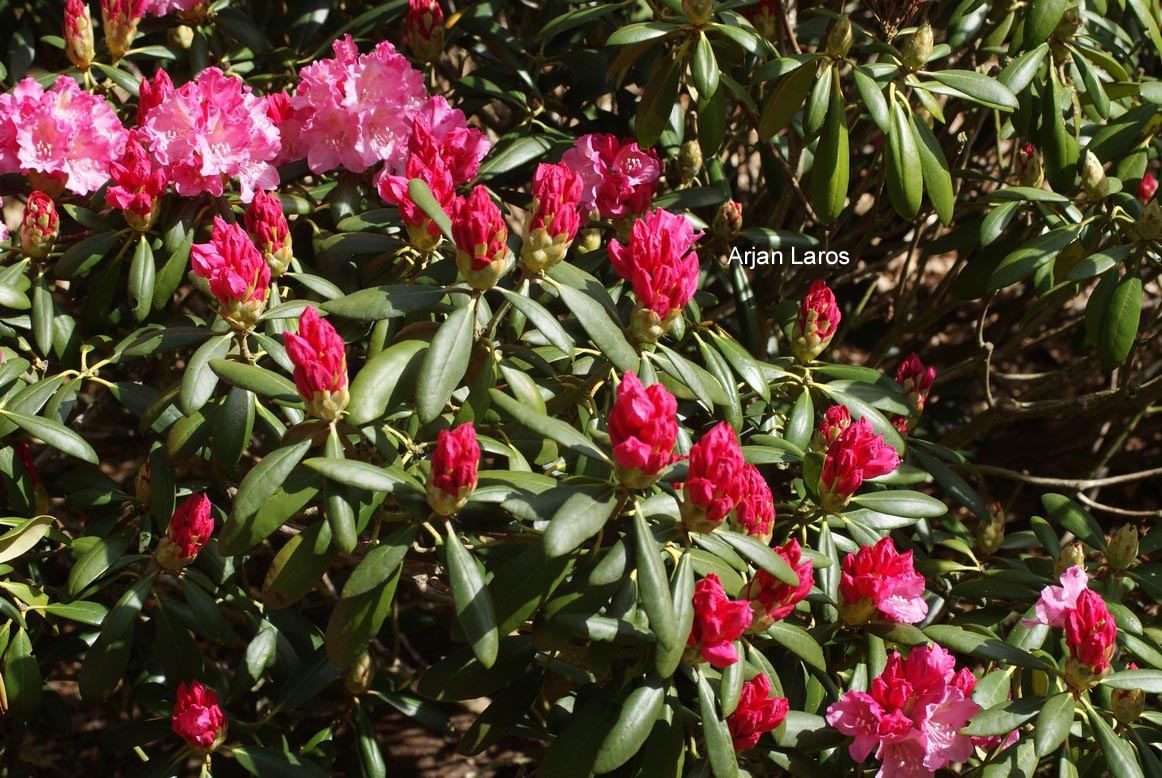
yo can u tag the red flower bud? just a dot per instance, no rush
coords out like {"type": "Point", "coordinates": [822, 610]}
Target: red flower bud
{"type": "Point", "coordinates": [120, 18]}
{"type": "Point", "coordinates": [137, 185]}
{"type": "Point", "coordinates": [78, 33]}
{"type": "Point", "coordinates": [553, 220]}
{"type": "Point", "coordinates": [151, 95]}
{"type": "Point", "coordinates": [763, 16]}
{"type": "Point", "coordinates": [642, 426]}
{"type": "Point", "coordinates": [816, 324]}
{"type": "Point", "coordinates": [320, 361]}
{"type": "Point", "coordinates": [197, 717]}
{"type": "Point", "coordinates": [428, 162]}
{"type": "Point", "coordinates": [1147, 188]}
{"type": "Point", "coordinates": [755, 512]}
{"type": "Point", "coordinates": [1090, 632]}
{"type": "Point", "coordinates": [657, 260]}
{"type": "Point", "coordinates": [718, 622]}
{"type": "Point", "coordinates": [856, 455]}
{"type": "Point", "coordinates": [190, 529]}
{"type": "Point", "coordinates": [424, 27]}
{"type": "Point", "coordinates": [757, 712]}
{"type": "Point", "coordinates": [266, 224]}
{"type": "Point", "coordinates": [236, 273]}
{"type": "Point", "coordinates": [454, 464]}
{"type": "Point", "coordinates": [835, 420]}
{"type": "Point", "coordinates": [40, 226]}
{"type": "Point", "coordinates": [916, 381]}
{"type": "Point", "coordinates": [879, 579]}
{"type": "Point", "coordinates": [713, 484]}
{"type": "Point", "coordinates": [728, 221]}
{"type": "Point", "coordinates": [771, 599]}
{"type": "Point", "coordinates": [480, 234]}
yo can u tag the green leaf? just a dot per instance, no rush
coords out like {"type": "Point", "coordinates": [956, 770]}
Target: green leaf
{"type": "Point", "coordinates": [509, 154]}
{"type": "Point", "coordinates": [1119, 326]}
{"type": "Point", "coordinates": [365, 601]}
{"type": "Point", "coordinates": [983, 646]}
{"type": "Point", "coordinates": [297, 568]}
{"type": "Point", "coordinates": [105, 661]}
{"type": "Point", "coordinates": [1147, 17]}
{"type": "Point", "coordinates": [445, 362]}
{"type": "Point", "coordinates": [719, 749]}
{"type": "Point", "coordinates": [11, 297]}
{"type": "Point", "coordinates": [667, 658]}
{"type": "Point", "coordinates": [657, 102]}
{"type": "Point", "coordinates": [1074, 518]}
{"type": "Point", "coordinates": [555, 429]}
{"type": "Point", "coordinates": [256, 379]}
{"type": "Point", "coordinates": [1040, 19]}
{"type": "Point", "coordinates": [81, 611]}
{"type": "Point", "coordinates": [799, 642]}
{"type": "Point", "coordinates": [80, 258]}
{"type": "Point", "coordinates": [704, 66]}
{"type": "Point", "coordinates": [385, 302]}
{"type": "Point", "coordinates": [829, 177]}
{"type": "Point", "coordinates": [701, 382]}
{"type": "Point", "coordinates": [1004, 718]}
{"type": "Point", "coordinates": [574, 752]}
{"type": "Point", "coordinates": [364, 475]}
{"type": "Point", "coordinates": [902, 502]}
{"type": "Point", "coordinates": [422, 196]}
{"type": "Point", "coordinates": [819, 101]}
{"type": "Point", "coordinates": [873, 97]}
{"type": "Point", "coordinates": [1024, 261]}
{"type": "Point", "coordinates": [1118, 754]}
{"type": "Point", "coordinates": [95, 562]}
{"type": "Point", "coordinates": [577, 17]}
{"type": "Point", "coordinates": [639, 711]}
{"type": "Point", "coordinates": [937, 176]}
{"type": "Point", "coordinates": [652, 585]}
{"type": "Point", "coordinates": [473, 604]}
{"type": "Point", "coordinates": [801, 423]}
{"type": "Point", "coordinates": [240, 534]}
{"type": "Point", "coordinates": [1019, 73]}
{"type": "Point", "coordinates": [639, 33]}
{"type": "Point", "coordinates": [23, 537]}
{"type": "Point", "coordinates": [43, 310]}
{"type": "Point", "coordinates": [274, 763]}
{"type": "Point", "coordinates": [142, 273]}
{"type": "Point", "coordinates": [1053, 723]}
{"type": "Point", "coordinates": [579, 518]}
{"type": "Point", "coordinates": [981, 88]}
{"type": "Point", "coordinates": [544, 321]}
{"type": "Point", "coordinates": [1149, 681]}
{"type": "Point", "coordinates": [54, 434]}
{"type": "Point", "coordinates": [198, 380]}
{"type": "Point", "coordinates": [386, 380]}
{"type": "Point", "coordinates": [904, 172]}
{"type": "Point", "coordinates": [760, 554]}
{"type": "Point", "coordinates": [785, 100]}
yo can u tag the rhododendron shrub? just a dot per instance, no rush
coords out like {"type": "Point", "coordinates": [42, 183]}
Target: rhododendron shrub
{"type": "Point", "coordinates": [683, 388]}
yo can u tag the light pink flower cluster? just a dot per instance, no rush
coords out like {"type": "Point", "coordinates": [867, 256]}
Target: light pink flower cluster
{"type": "Point", "coordinates": [878, 580]}
{"type": "Point", "coordinates": [210, 130]}
{"type": "Point", "coordinates": [356, 109]}
{"type": "Point", "coordinates": [771, 599]}
{"type": "Point", "coordinates": [855, 455]}
{"type": "Point", "coordinates": [912, 716]}
{"type": "Point", "coordinates": [718, 622]}
{"type": "Point", "coordinates": [63, 137]}
{"type": "Point", "coordinates": [618, 178]}
{"type": "Point", "coordinates": [659, 263]}
{"type": "Point", "coordinates": [1057, 601]}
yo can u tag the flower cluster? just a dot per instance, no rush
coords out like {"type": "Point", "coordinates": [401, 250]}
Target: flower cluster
{"type": "Point", "coordinates": [425, 29]}
{"type": "Point", "coordinates": [659, 263]}
{"type": "Point", "coordinates": [453, 475]}
{"type": "Point", "coordinates": [266, 224]}
{"type": "Point", "coordinates": [197, 719]}
{"type": "Point", "coordinates": [835, 420]}
{"type": "Point", "coordinates": [235, 272]}
{"type": "Point", "coordinates": [39, 226]}
{"type": "Point", "coordinates": [481, 236]}
{"type": "Point", "coordinates": [618, 178]}
{"type": "Point", "coordinates": [916, 381]}
{"type": "Point", "coordinates": [755, 511]}
{"type": "Point", "coordinates": [320, 361]}
{"type": "Point", "coordinates": [713, 486]}
{"type": "Point", "coordinates": [208, 131]}
{"type": "Point", "coordinates": [138, 184]}
{"type": "Point", "coordinates": [62, 138]}
{"type": "Point", "coordinates": [912, 715]}
{"type": "Point", "coordinates": [553, 220]}
{"type": "Point", "coordinates": [757, 712]}
{"type": "Point", "coordinates": [855, 455]}
{"type": "Point", "coordinates": [355, 110]}
{"type": "Point", "coordinates": [718, 622]}
{"type": "Point", "coordinates": [1090, 631]}
{"type": "Point", "coordinates": [643, 426]}
{"type": "Point", "coordinates": [771, 599]}
{"type": "Point", "coordinates": [878, 580]}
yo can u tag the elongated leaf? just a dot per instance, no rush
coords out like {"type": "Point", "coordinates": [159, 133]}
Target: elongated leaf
{"type": "Point", "coordinates": [579, 518]}
{"type": "Point", "coordinates": [657, 102]}
{"type": "Point", "coordinates": [785, 100]}
{"type": "Point", "coordinates": [473, 603]}
{"type": "Point", "coordinates": [385, 302]}
{"type": "Point", "coordinates": [1053, 723]}
{"type": "Point", "coordinates": [541, 319]}
{"type": "Point", "coordinates": [902, 502]}
{"type": "Point", "coordinates": [829, 177]}
{"type": "Point", "coordinates": [652, 585]}
{"type": "Point", "coordinates": [605, 332]}
{"type": "Point", "coordinates": [422, 196]}
{"type": "Point", "coordinates": [761, 555]}
{"type": "Point", "coordinates": [240, 534]}
{"type": "Point", "coordinates": [981, 88]}
{"type": "Point", "coordinates": [639, 711]}
{"type": "Point", "coordinates": [55, 434]}
{"type": "Point", "coordinates": [719, 750]}
{"type": "Point", "coordinates": [937, 176]}
{"type": "Point", "coordinates": [904, 172]}
{"type": "Point", "coordinates": [1118, 754]}
{"type": "Point", "coordinates": [445, 362]}
{"type": "Point", "coordinates": [1119, 326]}
{"type": "Point", "coordinates": [560, 431]}
{"type": "Point", "coordinates": [23, 537]}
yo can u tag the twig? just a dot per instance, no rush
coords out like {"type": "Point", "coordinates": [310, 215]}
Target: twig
{"type": "Point", "coordinates": [1080, 484]}
{"type": "Point", "coordinates": [1097, 506]}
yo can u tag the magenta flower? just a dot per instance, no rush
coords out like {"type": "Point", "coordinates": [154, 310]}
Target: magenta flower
{"type": "Point", "coordinates": [912, 716]}
{"type": "Point", "coordinates": [713, 484]}
{"type": "Point", "coordinates": [618, 178]}
{"type": "Point", "coordinates": [1090, 632]}
{"type": "Point", "coordinates": [718, 622]}
{"type": "Point", "coordinates": [39, 225]}
{"type": "Point", "coordinates": [643, 427]}
{"type": "Point", "coordinates": [137, 184]}
{"type": "Point", "coordinates": [266, 224]}
{"type": "Point", "coordinates": [1057, 601]}
{"type": "Point", "coordinates": [189, 531]}
{"type": "Point", "coordinates": [453, 475]}
{"type": "Point", "coordinates": [356, 109]}
{"type": "Point", "coordinates": [663, 270]}
{"type": "Point", "coordinates": [163, 7]}
{"type": "Point", "coordinates": [816, 323]}
{"type": "Point", "coordinates": [197, 717]}
{"type": "Point", "coordinates": [77, 30]}
{"type": "Point", "coordinates": [1147, 187]}
{"type": "Point", "coordinates": [320, 361]}
{"type": "Point", "coordinates": [771, 599]}
{"type": "Point", "coordinates": [880, 580]}
{"type": "Point", "coordinates": [835, 420]}
{"type": "Point", "coordinates": [119, 19]}
{"type": "Point", "coordinates": [856, 455]}
{"type": "Point", "coordinates": [236, 272]}
{"type": "Point", "coordinates": [916, 381]}
{"type": "Point", "coordinates": [481, 236]}
{"type": "Point", "coordinates": [755, 511]}
{"type": "Point", "coordinates": [64, 137]}
{"type": "Point", "coordinates": [463, 148]}
{"type": "Point", "coordinates": [966, 682]}
{"type": "Point", "coordinates": [553, 220]}
{"type": "Point", "coordinates": [757, 712]}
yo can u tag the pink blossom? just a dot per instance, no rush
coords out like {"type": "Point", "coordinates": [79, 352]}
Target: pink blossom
{"type": "Point", "coordinates": [757, 712]}
{"type": "Point", "coordinates": [210, 130]}
{"type": "Point", "coordinates": [137, 182]}
{"type": "Point", "coordinates": [880, 579]}
{"type": "Point", "coordinates": [289, 124]}
{"type": "Point", "coordinates": [835, 420]}
{"type": "Point", "coordinates": [424, 25]}
{"type": "Point", "coordinates": [855, 455]}
{"type": "Point", "coordinates": [1147, 187]}
{"type": "Point", "coordinates": [267, 226]}
{"type": "Point", "coordinates": [356, 109]}
{"type": "Point", "coordinates": [618, 178]}
{"type": "Point", "coordinates": [553, 219]}
{"type": "Point", "coordinates": [1090, 632]}
{"type": "Point", "coordinates": [911, 717]}
{"type": "Point", "coordinates": [718, 622]}
{"type": "Point", "coordinates": [237, 274]}
{"type": "Point", "coordinates": [816, 323]}
{"type": "Point", "coordinates": [190, 529]}
{"type": "Point", "coordinates": [320, 361]}
{"type": "Point", "coordinates": [755, 511]}
{"type": "Point", "coordinates": [1057, 601]}
{"type": "Point", "coordinates": [163, 7]}
{"type": "Point", "coordinates": [713, 483]}
{"type": "Point", "coordinates": [966, 682]}
{"type": "Point", "coordinates": [916, 381]}
{"type": "Point", "coordinates": [771, 599]}
{"type": "Point", "coordinates": [643, 426]}
{"type": "Point", "coordinates": [197, 717]}
{"type": "Point", "coordinates": [153, 93]}
{"type": "Point", "coordinates": [481, 236]}
{"type": "Point", "coordinates": [462, 147]}
{"type": "Point", "coordinates": [454, 464]}
{"type": "Point", "coordinates": [64, 134]}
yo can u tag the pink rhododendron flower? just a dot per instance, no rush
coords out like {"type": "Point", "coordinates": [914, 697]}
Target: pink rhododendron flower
{"type": "Point", "coordinates": [163, 7]}
{"type": "Point", "coordinates": [462, 147]}
{"type": "Point", "coordinates": [718, 622]}
{"type": "Point", "coordinates": [320, 361]}
{"type": "Point", "coordinates": [755, 511]}
{"type": "Point", "coordinates": [237, 274]}
{"type": "Point", "coordinates": [879, 579]}
{"type": "Point", "coordinates": [64, 135]}
{"type": "Point", "coordinates": [553, 220]}
{"type": "Point", "coordinates": [356, 109]}
{"type": "Point", "coordinates": [428, 164]}
{"type": "Point", "coordinates": [152, 94]}
{"type": "Point", "coordinates": [481, 237]}
{"type": "Point", "coordinates": [816, 323]}
{"type": "Point", "coordinates": [137, 184]}
{"type": "Point", "coordinates": [197, 717]}
{"type": "Point", "coordinates": [713, 486]}
{"type": "Point", "coordinates": [210, 130]}
{"type": "Point", "coordinates": [1057, 601]}
{"type": "Point", "coordinates": [835, 420]}
{"type": "Point", "coordinates": [966, 682]}
{"type": "Point", "coordinates": [659, 263]}
{"type": "Point", "coordinates": [189, 531]}
{"type": "Point", "coordinates": [643, 426]}
{"type": "Point", "coordinates": [916, 381]}
{"type": "Point", "coordinates": [855, 455]}
{"type": "Point", "coordinates": [454, 464]}
{"type": "Point", "coordinates": [39, 225]}
{"type": "Point", "coordinates": [771, 599]}
{"type": "Point", "coordinates": [912, 716]}
{"type": "Point", "coordinates": [1090, 632]}
{"type": "Point", "coordinates": [289, 124]}
{"type": "Point", "coordinates": [618, 177]}
{"type": "Point", "coordinates": [757, 712]}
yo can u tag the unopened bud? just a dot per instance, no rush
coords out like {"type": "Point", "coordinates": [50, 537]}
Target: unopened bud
{"type": "Point", "coordinates": [357, 680]}
{"type": "Point", "coordinates": [181, 37]}
{"type": "Point", "coordinates": [689, 160]}
{"type": "Point", "coordinates": [1123, 548]}
{"type": "Point", "coordinates": [1150, 221]}
{"type": "Point", "coordinates": [991, 533]}
{"type": "Point", "coordinates": [588, 240]}
{"type": "Point", "coordinates": [1080, 676]}
{"type": "Point", "coordinates": [120, 18]}
{"type": "Point", "coordinates": [425, 29]}
{"type": "Point", "coordinates": [1029, 162]}
{"type": "Point", "coordinates": [1128, 704]}
{"type": "Point", "coordinates": [698, 11]}
{"type": "Point", "coordinates": [1070, 556]}
{"type": "Point", "coordinates": [1069, 24]}
{"type": "Point", "coordinates": [40, 226]}
{"type": "Point", "coordinates": [78, 33]}
{"type": "Point", "coordinates": [728, 221]}
{"type": "Point", "coordinates": [141, 486]}
{"type": "Point", "coordinates": [918, 48]}
{"type": "Point", "coordinates": [1093, 178]}
{"type": "Point", "coordinates": [839, 38]}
